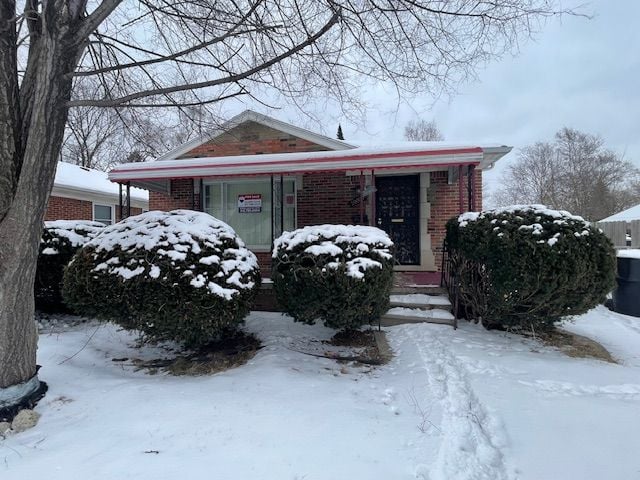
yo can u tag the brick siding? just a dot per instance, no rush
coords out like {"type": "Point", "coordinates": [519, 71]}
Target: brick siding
{"type": "Point", "coordinates": [63, 208]}
{"type": "Point", "coordinates": [252, 138]}
{"type": "Point", "coordinates": [446, 204]}
{"type": "Point", "coordinates": [181, 196]}
{"type": "Point", "coordinates": [326, 197]}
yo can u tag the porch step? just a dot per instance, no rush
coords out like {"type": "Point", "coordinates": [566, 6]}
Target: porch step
{"type": "Point", "coordinates": [416, 288]}
{"type": "Point", "coordinates": [403, 315]}
{"type": "Point", "coordinates": [420, 300]}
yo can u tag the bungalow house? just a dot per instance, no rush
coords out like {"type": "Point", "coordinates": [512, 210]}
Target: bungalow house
{"type": "Point", "coordinates": [80, 193]}
{"type": "Point", "coordinates": [263, 176]}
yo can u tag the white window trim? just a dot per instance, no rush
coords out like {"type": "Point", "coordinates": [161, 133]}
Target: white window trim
{"type": "Point", "coordinates": [111, 206]}
{"type": "Point", "coordinates": [259, 179]}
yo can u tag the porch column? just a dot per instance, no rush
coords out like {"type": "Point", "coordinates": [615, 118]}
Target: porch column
{"type": "Point", "coordinates": [128, 199]}
{"type": "Point", "coordinates": [119, 201]}
{"type": "Point", "coordinates": [460, 190]}
{"type": "Point", "coordinates": [472, 188]}
{"type": "Point", "coordinates": [361, 197]}
{"type": "Point", "coordinates": [372, 220]}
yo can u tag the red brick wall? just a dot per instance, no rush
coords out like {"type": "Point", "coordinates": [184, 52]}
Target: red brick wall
{"type": "Point", "coordinates": [446, 204]}
{"type": "Point", "coordinates": [62, 208]}
{"type": "Point", "coordinates": [252, 138]}
{"type": "Point", "coordinates": [325, 198]}
{"type": "Point", "coordinates": [181, 196]}
{"type": "Point", "coordinates": [264, 260]}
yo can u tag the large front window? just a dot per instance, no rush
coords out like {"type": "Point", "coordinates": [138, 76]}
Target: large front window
{"type": "Point", "coordinates": [253, 208]}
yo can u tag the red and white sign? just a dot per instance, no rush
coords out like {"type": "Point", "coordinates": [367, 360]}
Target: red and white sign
{"type": "Point", "coordinates": [250, 203]}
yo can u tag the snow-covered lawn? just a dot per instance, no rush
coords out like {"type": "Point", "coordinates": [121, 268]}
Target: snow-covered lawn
{"type": "Point", "coordinates": [465, 404]}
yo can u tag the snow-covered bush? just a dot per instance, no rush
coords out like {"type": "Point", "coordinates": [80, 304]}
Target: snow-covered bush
{"type": "Point", "coordinates": [61, 239]}
{"type": "Point", "coordinates": [340, 274]}
{"type": "Point", "coordinates": [527, 266]}
{"type": "Point", "coordinates": [179, 275]}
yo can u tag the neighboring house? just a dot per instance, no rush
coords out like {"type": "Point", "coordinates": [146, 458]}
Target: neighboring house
{"type": "Point", "coordinates": [80, 193]}
{"type": "Point", "coordinates": [628, 215]}
{"type": "Point", "coordinates": [264, 176]}
{"type": "Point", "coordinates": [623, 228]}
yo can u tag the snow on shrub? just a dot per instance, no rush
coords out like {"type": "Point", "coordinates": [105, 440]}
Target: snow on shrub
{"type": "Point", "coordinates": [527, 266]}
{"type": "Point", "coordinates": [340, 274]}
{"type": "Point", "coordinates": [61, 239]}
{"type": "Point", "coordinates": [179, 275]}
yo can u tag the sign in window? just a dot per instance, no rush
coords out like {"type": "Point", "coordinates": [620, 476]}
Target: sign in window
{"type": "Point", "coordinates": [250, 203]}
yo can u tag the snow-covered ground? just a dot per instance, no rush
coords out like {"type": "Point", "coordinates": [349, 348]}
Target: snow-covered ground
{"type": "Point", "coordinates": [465, 404]}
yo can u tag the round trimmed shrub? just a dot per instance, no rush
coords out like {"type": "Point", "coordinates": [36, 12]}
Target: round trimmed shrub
{"type": "Point", "coordinates": [61, 239]}
{"type": "Point", "coordinates": [340, 274]}
{"type": "Point", "coordinates": [527, 266]}
{"type": "Point", "coordinates": [181, 275]}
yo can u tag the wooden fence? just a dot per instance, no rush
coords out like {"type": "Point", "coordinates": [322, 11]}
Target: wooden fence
{"type": "Point", "coordinates": [622, 234]}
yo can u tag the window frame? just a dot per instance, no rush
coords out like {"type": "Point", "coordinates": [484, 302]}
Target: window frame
{"type": "Point", "coordinates": [248, 181]}
{"type": "Point", "coordinates": [111, 207]}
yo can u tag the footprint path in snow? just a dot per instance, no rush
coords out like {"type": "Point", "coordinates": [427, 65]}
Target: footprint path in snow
{"type": "Point", "coordinates": [471, 437]}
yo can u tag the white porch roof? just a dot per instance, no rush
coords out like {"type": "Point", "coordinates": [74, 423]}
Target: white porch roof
{"type": "Point", "coordinates": [408, 155]}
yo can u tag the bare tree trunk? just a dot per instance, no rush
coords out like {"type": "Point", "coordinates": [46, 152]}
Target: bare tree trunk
{"type": "Point", "coordinates": [42, 115]}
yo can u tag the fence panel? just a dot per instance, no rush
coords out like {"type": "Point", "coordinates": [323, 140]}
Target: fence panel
{"type": "Point", "coordinates": [634, 227]}
{"type": "Point", "coordinates": [617, 232]}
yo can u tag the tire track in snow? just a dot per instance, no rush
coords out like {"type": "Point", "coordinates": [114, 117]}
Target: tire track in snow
{"type": "Point", "coordinates": [471, 438]}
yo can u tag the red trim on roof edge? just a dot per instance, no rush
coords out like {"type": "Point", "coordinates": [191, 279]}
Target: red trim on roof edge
{"type": "Point", "coordinates": [308, 160]}
{"type": "Point", "coordinates": [295, 172]}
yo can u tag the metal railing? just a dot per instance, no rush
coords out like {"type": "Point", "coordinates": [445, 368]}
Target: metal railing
{"type": "Point", "coordinates": [449, 281]}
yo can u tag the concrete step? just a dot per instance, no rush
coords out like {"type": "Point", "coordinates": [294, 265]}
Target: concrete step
{"type": "Point", "coordinates": [402, 315]}
{"type": "Point", "coordinates": [421, 300]}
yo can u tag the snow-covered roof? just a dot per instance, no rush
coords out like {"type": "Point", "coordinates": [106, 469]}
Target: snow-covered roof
{"type": "Point", "coordinates": [251, 116]}
{"type": "Point", "coordinates": [74, 178]}
{"type": "Point", "coordinates": [411, 155]}
{"type": "Point", "coordinates": [627, 215]}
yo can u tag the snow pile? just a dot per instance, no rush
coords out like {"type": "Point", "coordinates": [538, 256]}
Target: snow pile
{"type": "Point", "coordinates": [356, 247]}
{"type": "Point", "coordinates": [76, 232]}
{"type": "Point", "coordinates": [528, 218]}
{"type": "Point", "coordinates": [177, 240]}
{"type": "Point", "coordinates": [629, 253]}
{"type": "Point", "coordinates": [75, 177]}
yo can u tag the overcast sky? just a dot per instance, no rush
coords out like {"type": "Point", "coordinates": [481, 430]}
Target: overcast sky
{"type": "Point", "coordinates": [579, 73]}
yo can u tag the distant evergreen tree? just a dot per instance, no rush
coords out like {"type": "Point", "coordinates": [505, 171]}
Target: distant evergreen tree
{"type": "Point", "coordinates": [340, 135]}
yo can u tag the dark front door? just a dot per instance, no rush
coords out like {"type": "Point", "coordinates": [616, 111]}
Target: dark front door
{"type": "Point", "coordinates": [398, 214]}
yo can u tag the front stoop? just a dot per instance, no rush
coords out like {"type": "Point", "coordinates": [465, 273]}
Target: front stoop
{"type": "Point", "coordinates": [418, 308]}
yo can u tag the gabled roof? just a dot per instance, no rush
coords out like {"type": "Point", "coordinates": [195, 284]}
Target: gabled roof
{"type": "Point", "coordinates": [74, 180]}
{"type": "Point", "coordinates": [627, 215]}
{"type": "Point", "coordinates": [251, 116]}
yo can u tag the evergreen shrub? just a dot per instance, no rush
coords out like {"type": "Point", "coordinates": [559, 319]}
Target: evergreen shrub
{"type": "Point", "coordinates": [181, 275]}
{"type": "Point", "coordinates": [61, 239]}
{"type": "Point", "coordinates": [526, 266]}
{"type": "Point", "coordinates": [339, 274]}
